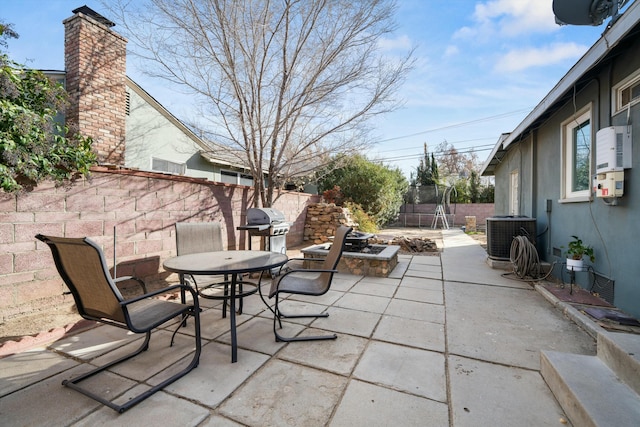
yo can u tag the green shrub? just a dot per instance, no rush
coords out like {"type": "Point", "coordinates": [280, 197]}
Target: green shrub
{"type": "Point", "coordinates": [33, 146]}
{"type": "Point", "coordinates": [365, 222]}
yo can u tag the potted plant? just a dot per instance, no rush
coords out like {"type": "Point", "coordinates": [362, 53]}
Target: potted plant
{"type": "Point", "coordinates": [576, 250]}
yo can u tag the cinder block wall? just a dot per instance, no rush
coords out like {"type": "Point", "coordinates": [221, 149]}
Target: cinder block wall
{"type": "Point", "coordinates": [422, 214]}
{"type": "Point", "coordinates": [143, 207]}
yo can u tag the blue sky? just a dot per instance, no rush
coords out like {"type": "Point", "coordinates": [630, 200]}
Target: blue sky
{"type": "Point", "coordinates": [481, 66]}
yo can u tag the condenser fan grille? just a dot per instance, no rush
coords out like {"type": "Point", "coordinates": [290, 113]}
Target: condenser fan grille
{"type": "Point", "coordinates": [502, 229]}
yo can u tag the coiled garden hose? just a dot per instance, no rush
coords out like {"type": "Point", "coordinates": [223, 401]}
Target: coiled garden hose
{"type": "Point", "coordinates": [524, 257]}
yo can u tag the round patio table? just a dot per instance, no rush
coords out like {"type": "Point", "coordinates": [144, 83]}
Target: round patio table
{"type": "Point", "coordinates": [232, 263]}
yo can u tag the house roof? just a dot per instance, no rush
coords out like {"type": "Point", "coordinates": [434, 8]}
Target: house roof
{"type": "Point", "coordinates": [566, 86]}
{"type": "Point", "coordinates": [212, 152]}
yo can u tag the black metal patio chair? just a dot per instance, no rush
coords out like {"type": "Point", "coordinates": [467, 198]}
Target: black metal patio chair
{"type": "Point", "coordinates": [82, 266]}
{"type": "Point", "coordinates": [308, 281]}
{"type": "Point", "coordinates": [198, 237]}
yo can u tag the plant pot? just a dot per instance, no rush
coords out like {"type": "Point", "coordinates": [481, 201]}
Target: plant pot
{"type": "Point", "coordinates": [575, 264]}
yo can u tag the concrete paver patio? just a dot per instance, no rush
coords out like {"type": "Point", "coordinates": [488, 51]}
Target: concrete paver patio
{"type": "Point", "coordinates": [444, 341]}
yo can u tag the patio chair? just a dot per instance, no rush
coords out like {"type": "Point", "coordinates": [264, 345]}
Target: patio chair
{"type": "Point", "coordinates": [83, 267]}
{"type": "Point", "coordinates": [308, 281]}
{"type": "Point", "coordinates": [198, 237]}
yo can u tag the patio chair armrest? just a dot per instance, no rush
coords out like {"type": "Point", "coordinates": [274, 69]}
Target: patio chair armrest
{"type": "Point", "coordinates": [308, 270]}
{"type": "Point", "coordinates": [285, 267]}
{"type": "Point", "coordinates": [135, 279]}
{"type": "Point", "coordinates": [306, 259]}
{"type": "Point", "coordinates": [162, 291]}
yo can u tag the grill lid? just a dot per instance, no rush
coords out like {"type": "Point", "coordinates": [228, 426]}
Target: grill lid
{"type": "Point", "coordinates": [264, 216]}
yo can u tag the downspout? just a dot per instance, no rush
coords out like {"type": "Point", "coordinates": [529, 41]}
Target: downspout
{"type": "Point", "coordinates": [532, 172]}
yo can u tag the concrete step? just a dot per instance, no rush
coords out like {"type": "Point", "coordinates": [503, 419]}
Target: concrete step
{"type": "Point", "coordinates": [621, 352]}
{"type": "Point", "coordinates": [588, 391]}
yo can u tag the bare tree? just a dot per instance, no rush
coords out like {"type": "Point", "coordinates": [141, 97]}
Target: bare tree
{"type": "Point", "coordinates": [453, 163]}
{"type": "Point", "coordinates": [283, 84]}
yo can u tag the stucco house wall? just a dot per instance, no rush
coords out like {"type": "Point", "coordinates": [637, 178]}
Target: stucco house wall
{"type": "Point", "coordinates": [151, 134]}
{"type": "Point", "coordinates": [537, 150]}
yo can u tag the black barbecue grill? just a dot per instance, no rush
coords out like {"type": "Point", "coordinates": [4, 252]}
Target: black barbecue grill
{"type": "Point", "coordinates": [271, 225]}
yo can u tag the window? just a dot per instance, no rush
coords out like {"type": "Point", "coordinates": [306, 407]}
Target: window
{"type": "Point", "coordinates": [627, 92]}
{"type": "Point", "coordinates": [167, 166]}
{"type": "Point", "coordinates": [233, 177]}
{"type": "Point", "coordinates": [514, 194]}
{"type": "Point", "coordinates": [576, 143]}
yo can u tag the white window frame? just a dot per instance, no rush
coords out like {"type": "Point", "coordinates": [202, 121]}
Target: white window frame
{"type": "Point", "coordinates": [181, 166]}
{"type": "Point", "coordinates": [631, 82]}
{"type": "Point", "coordinates": [568, 128]}
{"type": "Point", "coordinates": [514, 192]}
{"type": "Point", "coordinates": [240, 178]}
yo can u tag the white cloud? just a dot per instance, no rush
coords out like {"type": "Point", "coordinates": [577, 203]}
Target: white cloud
{"type": "Point", "coordinates": [509, 18]}
{"type": "Point", "coordinates": [399, 43]}
{"type": "Point", "coordinates": [518, 60]}
{"type": "Point", "coordinates": [451, 50]}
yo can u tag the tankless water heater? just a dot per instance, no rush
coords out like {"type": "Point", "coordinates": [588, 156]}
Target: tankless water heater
{"type": "Point", "coordinates": [613, 156]}
{"type": "Point", "coordinates": [613, 149]}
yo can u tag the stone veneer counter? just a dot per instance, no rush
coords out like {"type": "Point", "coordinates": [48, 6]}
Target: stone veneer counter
{"type": "Point", "coordinates": [362, 264]}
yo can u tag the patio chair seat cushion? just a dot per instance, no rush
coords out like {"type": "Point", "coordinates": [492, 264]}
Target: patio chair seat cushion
{"type": "Point", "coordinates": [150, 312]}
{"type": "Point", "coordinates": [300, 282]}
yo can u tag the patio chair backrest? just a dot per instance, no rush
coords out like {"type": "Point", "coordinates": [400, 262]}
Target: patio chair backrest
{"type": "Point", "coordinates": [83, 267]}
{"type": "Point", "coordinates": [198, 237]}
{"type": "Point", "coordinates": [333, 257]}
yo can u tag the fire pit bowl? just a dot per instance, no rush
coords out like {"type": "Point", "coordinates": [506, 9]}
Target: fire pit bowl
{"type": "Point", "coordinates": [357, 241]}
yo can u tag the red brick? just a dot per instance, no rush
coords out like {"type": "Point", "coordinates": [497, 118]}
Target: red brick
{"type": "Point", "coordinates": [27, 232]}
{"type": "Point", "coordinates": [6, 263]}
{"type": "Point", "coordinates": [128, 217]}
{"type": "Point", "coordinates": [46, 186]}
{"type": "Point", "coordinates": [99, 216]}
{"type": "Point", "coordinates": [30, 261]}
{"type": "Point", "coordinates": [41, 203]}
{"type": "Point", "coordinates": [85, 202]}
{"type": "Point", "coordinates": [148, 246]}
{"type": "Point", "coordinates": [47, 274]}
{"type": "Point", "coordinates": [119, 203]}
{"type": "Point", "coordinates": [84, 228]}
{"type": "Point", "coordinates": [146, 226]}
{"type": "Point", "coordinates": [123, 250]}
{"type": "Point", "coordinates": [39, 290]}
{"type": "Point", "coordinates": [11, 248]}
{"type": "Point", "coordinates": [108, 190]}
{"type": "Point", "coordinates": [6, 233]}
{"type": "Point", "coordinates": [8, 202]}
{"type": "Point", "coordinates": [56, 216]}
{"type": "Point", "coordinates": [157, 215]}
{"type": "Point", "coordinates": [155, 235]}
{"type": "Point", "coordinates": [13, 217]}
{"type": "Point", "coordinates": [16, 278]}
{"type": "Point", "coordinates": [148, 202]}
{"type": "Point", "coordinates": [123, 228]}
{"type": "Point", "coordinates": [160, 185]}
{"type": "Point", "coordinates": [105, 181]}
{"type": "Point", "coordinates": [7, 298]}
{"type": "Point", "coordinates": [135, 184]}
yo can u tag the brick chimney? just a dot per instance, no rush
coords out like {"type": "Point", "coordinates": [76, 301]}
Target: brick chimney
{"type": "Point", "coordinates": [95, 63]}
